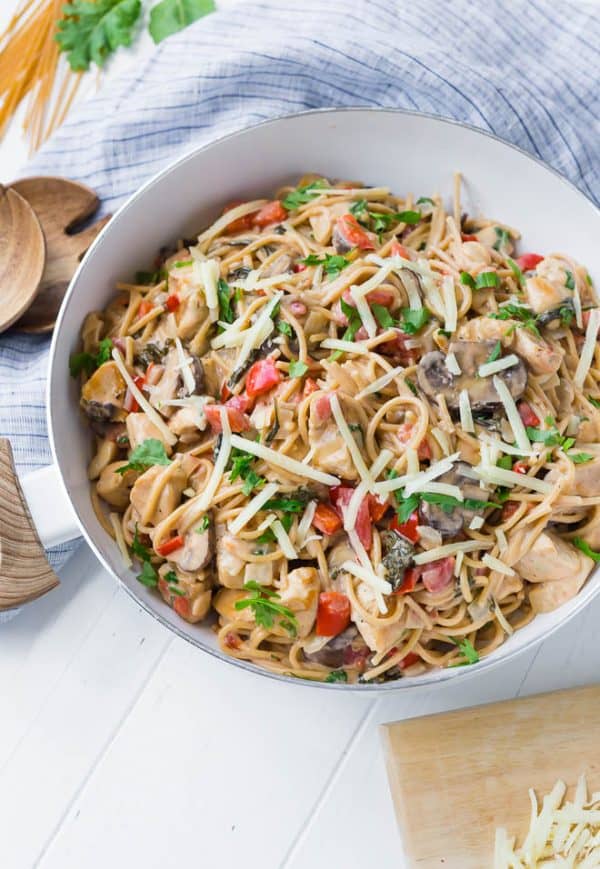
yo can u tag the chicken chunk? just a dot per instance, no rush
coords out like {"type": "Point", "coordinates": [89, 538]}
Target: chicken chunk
{"type": "Point", "coordinates": [140, 429]}
{"type": "Point", "coordinates": [377, 637]}
{"type": "Point", "coordinates": [169, 498]}
{"type": "Point", "coordinates": [300, 593]}
{"type": "Point", "coordinates": [557, 568]}
{"type": "Point", "coordinates": [540, 357]}
{"type": "Point", "coordinates": [103, 394]}
{"type": "Point", "coordinates": [190, 596]}
{"type": "Point", "coordinates": [196, 552]}
{"type": "Point", "coordinates": [586, 479]}
{"type": "Point", "coordinates": [168, 385]}
{"type": "Point", "coordinates": [232, 558]}
{"type": "Point", "coordinates": [543, 295]}
{"type": "Point", "coordinates": [106, 452]}
{"type": "Point", "coordinates": [224, 602]}
{"type": "Point", "coordinates": [115, 488]}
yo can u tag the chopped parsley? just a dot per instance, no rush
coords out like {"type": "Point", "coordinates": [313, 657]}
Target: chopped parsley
{"type": "Point", "coordinates": [502, 238]}
{"type": "Point", "coordinates": [148, 576]}
{"type": "Point", "coordinates": [467, 650]}
{"type": "Point", "coordinates": [410, 217]}
{"type": "Point", "coordinates": [481, 282]}
{"type": "Point", "coordinates": [411, 386]}
{"type": "Point", "coordinates": [252, 481]}
{"type": "Point", "coordinates": [297, 368]}
{"type": "Point", "coordinates": [516, 271]}
{"type": "Point", "coordinates": [496, 352]}
{"type": "Point", "coordinates": [150, 452]}
{"type": "Point", "coordinates": [383, 316]}
{"type": "Point", "coordinates": [570, 281]}
{"type": "Point", "coordinates": [182, 263]}
{"type": "Point", "coordinates": [354, 324]}
{"type": "Point", "coordinates": [284, 327]}
{"type": "Point", "coordinates": [241, 467]}
{"type": "Point", "coordinates": [204, 524]}
{"type": "Point", "coordinates": [595, 402]}
{"type": "Point", "coordinates": [359, 207]}
{"type": "Point", "coordinates": [580, 458]}
{"type": "Point", "coordinates": [505, 462]}
{"type": "Point", "coordinates": [88, 362]}
{"type": "Point", "coordinates": [173, 582]}
{"type": "Point", "coordinates": [413, 320]}
{"type": "Point", "coordinates": [225, 297]}
{"type": "Point", "coordinates": [302, 195]}
{"type": "Point", "coordinates": [585, 547]}
{"type": "Point", "coordinates": [264, 604]}
{"type": "Point", "coordinates": [522, 313]}
{"type": "Point", "coordinates": [550, 437]}
{"type": "Point", "coordinates": [425, 200]}
{"type": "Point", "coordinates": [383, 220]}
{"type": "Point", "coordinates": [567, 315]}
{"type": "Point", "coordinates": [292, 504]}
{"type": "Point", "coordinates": [337, 676]}
{"type": "Point", "coordinates": [332, 263]}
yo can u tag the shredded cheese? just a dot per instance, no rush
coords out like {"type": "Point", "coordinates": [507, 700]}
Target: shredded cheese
{"type": "Point", "coordinates": [589, 346]}
{"type": "Point", "coordinates": [252, 508]}
{"type": "Point", "coordinates": [412, 460]}
{"type": "Point", "coordinates": [502, 477]}
{"type": "Point", "coordinates": [449, 296]}
{"type": "Point", "coordinates": [382, 381]}
{"type": "Point", "coordinates": [280, 460]}
{"type": "Point", "coordinates": [442, 439]}
{"type": "Point", "coordinates": [258, 332]}
{"type": "Point", "coordinates": [413, 482]}
{"type": "Point", "coordinates": [305, 523]}
{"type": "Point", "coordinates": [223, 222]}
{"type": "Point", "coordinates": [351, 511]}
{"type": "Point", "coordinates": [458, 563]}
{"type": "Point", "coordinates": [115, 521]}
{"type": "Point", "coordinates": [285, 544]}
{"type": "Point", "coordinates": [516, 423]}
{"type": "Point", "coordinates": [354, 192]}
{"type": "Point", "coordinates": [502, 540]}
{"type": "Point", "coordinates": [502, 446]}
{"type": "Point", "coordinates": [366, 315]}
{"type": "Point", "coordinates": [464, 407]}
{"type": "Point", "coordinates": [374, 281]}
{"type": "Point", "coordinates": [200, 504]}
{"type": "Point", "coordinates": [577, 305]}
{"type": "Point", "coordinates": [442, 489]}
{"type": "Point", "coordinates": [344, 346]}
{"type": "Point", "coordinates": [497, 565]}
{"type": "Point", "coordinates": [489, 368]}
{"type": "Point", "coordinates": [141, 399]}
{"type": "Point", "coordinates": [451, 549]}
{"type": "Point", "coordinates": [344, 430]}
{"type": "Point", "coordinates": [476, 523]}
{"type": "Point", "coordinates": [208, 271]}
{"type": "Point", "coordinates": [368, 576]}
{"type": "Point", "coordinates": [451, 363]}
{"type": "Point", "coordinates": [184, 367]}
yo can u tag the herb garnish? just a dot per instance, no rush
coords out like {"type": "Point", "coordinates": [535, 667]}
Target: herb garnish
{"type": "Point", "coordinates": [204, 524]}
{"type": "Point", "coordinates": [337, 676]}
{"type": "Point", "coordinates": [150, 452]}
{"type": "Point", "coordinates": [413, 320]}
{"type": "Point", "coordinates": [580, 458]}
{"type": "Point", "coordinates": [382, 315]}
{"type": "Point", "coordinates": [481, 282]}
{"type": "Point", "coordinates": [263, 603]}
{"type": "Point", "coordinates": [585, 547]}
{"type": "Point", "coordinates": [297, 368]}
{"type": "Point", "coordinates": [425, 200]}
{"type": "Point", "coordinates": [88, 362]}
{"type": "Point", "coordinates": [522, 313]}
{"type": "Point", "coordinates": [595, 402]}
{"type": "Point", "coordinates": [332, 263]}
{"type": "Point", "coordinates": [90, 31]}
{"type": "Point", "coordinates": [516, 271]}
{"type": "Point", "coordinates": [148, 576]}
{"type": "Point", "coordinates": [467, 650]}
{"type": "Point", "coordinates": [171, 16]}
{"type": "Point", "coordinates": [549, 437]}
{"type": "Point", "coordinates": [502, 238]}
{"type": "Point", "coordinates": [225, 297]}
{"type": "Point", "coordinates": [570, 280]}
{"type": "Point", "coordinates": [182, 263]}
{"type": "Point", "coordinates": [354, 324]}
{"type": "Point", "coordinates": [241, 466]}
{"type": "Point", "coordinates": [302, 195]}
{"type": "Point", "coordinates": [284, 327]}
{"type": "Point", "coordinates": [496, 352]}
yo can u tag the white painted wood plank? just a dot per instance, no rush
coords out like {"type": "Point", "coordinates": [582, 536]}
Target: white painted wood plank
{"type": "Point", "coordinates": [92, 683]}
{"type": "Point", "coordinates": [211, 762]}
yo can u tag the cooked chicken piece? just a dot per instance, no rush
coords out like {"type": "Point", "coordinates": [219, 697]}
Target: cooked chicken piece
{"type": "Point", "coordinates": [196, 552]}
{"type": "Point", "coordinates": [231, 562]}
{"type": "Point", "coordinates": [544, 295]}
{"type": "Point", "coordinates": [262, 572]}
{"type": "Point", "coordinates": [91, 331]}
{"type": "Point", "coordinates": [487, 329]}
{"type": "Point", "coordinates": [169, 384]}
{"type": "Point", "coordinates": [300, 593]}
{"type": "Point", "coordinates": [217, 368]}
{"type": "Point", "coordinates": [321, 226]}
{"type": "Point", "coordinates": [169, 497]}
{"type": "Point", "coordinates": [186, 423]}
{"type": "Point", "coordinates": [586, 480]}
{"type": "Point", "coordinates": [558, 567]}
{"type": "Point", "coordinates": [106, 452]}
{"type": "Point", "coordinates": [224, 602]}
{"type": "Point", "coordinates": [330, 451]}
{"type": "Point", "coordinates": [491, 235]}
{"type": "Point", "coordinates": [538, 354]}
{"type": "Point", "coordinates": [140, 428]}
{"type": "Point", "coordinates": [350, 376]}
{"type": "Point", "coordinates": [377, 637]}
{"type": "Point", "coordinates": [190, 596]}
{"type": "Point", "coordinates": [191, 314]}
{"type": "Point", "coordinates": [103, 394]}
{"type": "Point", "coordinates": [115, 488]}
{"type": "Point", "coordinates": [315, 324]}
{"type": "Point", "coordinates": [474, 255]}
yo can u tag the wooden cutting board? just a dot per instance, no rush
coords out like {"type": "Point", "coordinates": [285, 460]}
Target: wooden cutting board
{"type": "Point", "coordinates": [457, 776]}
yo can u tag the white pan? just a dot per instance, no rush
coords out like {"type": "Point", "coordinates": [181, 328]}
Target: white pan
{"type": "Point", "coordinates": [408, 152]}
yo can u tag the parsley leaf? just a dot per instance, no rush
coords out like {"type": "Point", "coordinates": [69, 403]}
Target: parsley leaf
{"type": "Point", "coordinates": [595, 402]}
{"type": "Point", "coordinates": [332, 263]}
{"type": "Point", "coordinates": [182, 263]}
{"type": "Point", "coordinates": [523, 314]}
{"type": "Point", "coordinates": [357, 208]}
{"type": "Point", "coordinates": [414, 319]}
{"type": "Point", "coordinates": [567, 315]}
{"type": "Point", "coordinates": [302, 195]}
{"type": "Point", "coordinates": [241, 466]}
{"type": "Point", "coordinates": [263, 603]}
{"type": "Point", "coordinates": [516, 271]}
{"type": "Point", "coordinates": [411, 386]}
{"type": "Point", "coordinates": [173, 581]}
{"type": "Point", "coordinates": [284, 327]}
{"type": "Point", "coordinates": [148, 278]}
{"type": "Point", "coordinates": [580, 458]}
{"type": "Point", "coordinates": [467, 279]}
{"type": "Point", "coordinates": [354, 324]}
{"type": "Point", "coordinates": [425, 200]}
{"type": "Point", "coordinates": [289, 505]}
{"type": "Point", "coordinates": [405, 507]}
{"type": "Point", "coordinates": [252, 481]}
{"type": "Point", "coordinates": [148, 576]}
{"type": "Point", "coordinates": [89, 31]}
{"type": "Point", "coordinates": [138, 548]}
{"type": "Point", "coordinates": [486, 279]}
{"type": "Point", "coordinates": [204, 524]}
{"type": "Point", "coordinates": [410, 217]}
{"type": "Point", "coordinates": [383, 316]}
{"type": "Point", "coordinates": [225, 296]}
{"type": "Point", "coordinates": [502, 238]}
{"type": "Point", "coordinates": [585, 547]}
{"type": "Point", "coordinates": [88, 362]}
{"type": "Point", "coordinates": [496, 352]}
{"type": "Point", "coordinates": [549, 437]}
{"type": "Point", "coordinates": [171, 16]}
{"type": "Point", "coordinates": [570, 281]}
{"type": "Point", "coordinates": [297, 368]}
{"type": "Point", "coordinates": [337, 676]}
{"type": "Point", "coordinates": [467, 650]}
{"type": "Point", "coordinates": [505, 462]}
{"type": "Point", "coordinates": [150, 452]}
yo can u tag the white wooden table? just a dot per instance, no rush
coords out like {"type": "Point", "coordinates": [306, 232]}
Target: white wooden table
{"type": "Point", "coordinates": [122, 746]}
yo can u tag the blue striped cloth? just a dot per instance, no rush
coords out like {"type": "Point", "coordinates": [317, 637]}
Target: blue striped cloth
{"type": "Point", "coordinates": [525, 70]}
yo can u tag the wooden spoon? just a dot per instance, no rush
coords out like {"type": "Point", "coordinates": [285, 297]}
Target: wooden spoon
{"type": "Point", "coordinates": [61, 206]}
{"type": "Point", "coordinates": [22, 256]}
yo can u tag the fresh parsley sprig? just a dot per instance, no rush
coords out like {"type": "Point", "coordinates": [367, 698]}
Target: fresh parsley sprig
{"type": "Point", "coordinates": [88, 362]}
{"type": "Point", "coordinates": [264, 604]}
{"type": "Point", "coordinates": [302, 195]}
{"type": "Point", "coordinates": [521, 313]}
{"type": "Point", "coordinates": [150, 452]}
{"type": "Point", "coordinates": [332, 263]}
{"type": "Point", "coordinates": [585, 547]}
{"type": "Point", "coordinates": [467, 650]}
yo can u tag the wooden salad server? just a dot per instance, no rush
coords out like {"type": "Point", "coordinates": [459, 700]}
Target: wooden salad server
{"type": "Point", "coordinates": [61, 206]}
{"type": "Point", "coordinates": [22, 256]}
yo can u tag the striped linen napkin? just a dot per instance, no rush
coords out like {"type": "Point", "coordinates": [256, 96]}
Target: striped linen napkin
{"type": "Point", "coordinates": [523, 69]}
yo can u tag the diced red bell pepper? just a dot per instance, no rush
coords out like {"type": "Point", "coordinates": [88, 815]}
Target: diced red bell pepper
{"type": "Point", "coordinates": [527, 415]}
{"type": "Point", "coordinates": [323, 406]}
{"type": "Point", "coordinates": [326, 519]}
{"type": "Point", "coordinates": [509, 509]}
{"type": "Point", "coordinates": [353, 233]}
{"type": "Point", "coordinates": [437, 575]}
{"type": "Point", "coordinates": [468, 237]}
{"type": "Point", "coordinates": [225, 392]}
{"type": "Point", "coordinates": [130, 403]}
{"type": "Point", "coordinates": [238, 421]}
{"type": "Point", "coordinates": [299, 267]}
{"type": "Point", "coordinates": [239, 402]}
{"type": "Point", "coordinates": [386, 298]}
{"type": "Point", "coordinates": [340, 498]}
{"type": "Point", "coordinates": [398, 249]}
{"type": "Point", "coordinates": [262, 377]}
{"type": "Point", "coordinates": [182, 606]}
{"type": "Point", "coordinates": [310, 386]}
{"type": "Point", "coordinates": [144, 308]}
{"type": "Point", "coordinates": [333, 614]}
{"type": "Point", "coordinates": [377, 508]}
{"type": "Point", "coordinates": [520, 468]}
{"type": "Point", "coordinates": [272, 212]}
{"type": "Point", "coordinates": [407, 529]}
{"type": "Point", "coordinates": [528, 261]}
{"type": "Point", "coordinates": [409, 660]}
{"type": "Point", "coordinates": [172, 303]}
{"type": "Point", "coordinates": [409, 581]}
{"type": "Point", "coordinates": [170, 545]}
{"type": "Point", "coordinates": [240, 223]}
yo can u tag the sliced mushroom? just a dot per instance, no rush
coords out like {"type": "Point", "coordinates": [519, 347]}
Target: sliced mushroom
{"type": "Point", "coordinates": [332, 653]}
{"type": "Point", "coordinates": [196, 552]}
{"type": "Point", "coordinates": [564, 311]}
{"type": "Point", "coordinates": [103, 394]}
{"type": "Point", "coordinates": [451, 522]}
{"type": "Point", "coordinates": [411, 283]}
{"type": "Point", "coordinates": [398, 556]}
{"type": "Point", "coordinates": [435, 379]}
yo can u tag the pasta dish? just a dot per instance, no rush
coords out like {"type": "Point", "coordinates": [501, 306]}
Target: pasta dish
{"type": "Point", "coordinates": [358, 433]}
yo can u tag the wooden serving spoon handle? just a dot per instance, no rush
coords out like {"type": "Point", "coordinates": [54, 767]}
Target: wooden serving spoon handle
{"type": "Point", "coordinates": [25, 573]}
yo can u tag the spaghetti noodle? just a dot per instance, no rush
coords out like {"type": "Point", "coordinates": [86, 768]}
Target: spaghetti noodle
{"type": "Point", "coordinates": [352, 430]}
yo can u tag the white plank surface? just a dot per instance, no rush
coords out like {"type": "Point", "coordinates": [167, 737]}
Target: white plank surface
{"type": "Point", "coordinates": [123, 746]}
